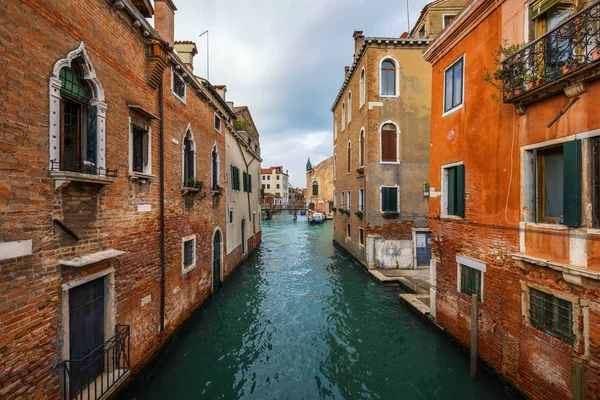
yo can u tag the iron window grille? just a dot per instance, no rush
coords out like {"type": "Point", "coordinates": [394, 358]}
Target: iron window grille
{"type": "Point", "coordinates": [83, 168]}
{"type": "Point", "coordinates": [188, 253]}
{"type": "Point", "coordinates": [551, 315]}
{"type": "Point", "coordinates": [470, 281]}
{"type": "Point", "coordinates": [138, 150]}
{"type": "Point", "coordinates": [178, 85]}
{"type": "Point", "coordinates": [217, 123]}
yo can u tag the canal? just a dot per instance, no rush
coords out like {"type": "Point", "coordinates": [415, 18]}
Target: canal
{"type": "Point", "coordinates": [301, 320]}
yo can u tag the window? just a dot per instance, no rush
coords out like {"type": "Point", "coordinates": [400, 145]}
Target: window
{"type": "Point", "coordinates": [268, 186]}
{"type": "Point", "coordinates": [277, 177]}
{"type": "Point", "coordinates": [448, 19]}
{"type": "Point", "coordinates": [348, 200]}
{"type": "Point", "coordinates": [388, 78]}
{"type": "Point", "coordinates": [247, 180]}
{"type": "Point", "coordinates": [361, 199]}
{"type": "Point", "coordinates": [343, 116]}
{"type": "Point", "coordinates": [268, 177]}
{"type": "Point", "coordinates": [343, 199]}
{"type": "Point", "coordinates": [389, 143]}
{"type": "Point", "coordinates": [551, 315]}
{"type": "Point", "coordinates": [278, 186]}
{"type": "Point", "coordinates": [422, 32]}
{"type": "Point", "coordinates": [362, 87]}
{"type": "Point", "coordinates": [453, 195]}
{"type": "Point", "coordinates": [348, 230]}
{"type": "Point", "coordinates": [349, 107]}
{"type": "Point", "coordinates": [453, 86]}
{"type": "Point", "coordinates": [361, 236]}
{"type": "Point", "coordinates": [547, 15]}
{"type": "Point", "coordinates": [389, 199]}
{"type": "Point", "coordinates": [139, 152]}
{"type": "Point", "coordinates": [315, 188]}
{"type": "Point", "coordinates": [231, 216]}
{"type": "Point", "coordinates": [217, 123]}
{"type": "Point", "coordinates": [235, 177]}
{"type": "Point", "coordinates": [263, 185]}
{"type": "Point", "coordinates": [470, 281]}
{"type": "Point", "coordinates": [557, 184]}
{"type": "Point", "coordinates": [215, 167]}
{"type": "Point", "coordinates": [361, 149]}
{"type": "Point", "coordinates": [334, 166]}
{"type": "Point", "coordinates": [189, 162]}
{"type": "Point", "coordinates": [335, 199]}
{"type": "Point", "coordinates": [335, 128]}
{"type": "Point", "coordinates": [349, 156]}
{"type": "Point", "coordinates": [188, 250]}
{"type": "Point", "coordinates": [178, 86]}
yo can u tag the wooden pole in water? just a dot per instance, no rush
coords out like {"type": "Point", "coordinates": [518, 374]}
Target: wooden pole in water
{"type": "Point", "coordinates": [474, 304]}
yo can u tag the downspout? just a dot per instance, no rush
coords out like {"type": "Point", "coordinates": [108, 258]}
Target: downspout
{"type": "Point", "coordinates": [162, 203]}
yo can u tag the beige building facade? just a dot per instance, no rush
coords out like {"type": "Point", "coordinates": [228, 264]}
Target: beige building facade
{"type": "Point", "coordinates": [319, 184]}
{"type": "Point", "coordinates": [435, 17]}
{"type": "Point", "coordinates": [276, 182]}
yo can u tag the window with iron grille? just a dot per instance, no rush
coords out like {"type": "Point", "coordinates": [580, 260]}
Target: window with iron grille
{"type": "Point", "coordinates": [470, 281]}
{"type": "Point", "coordinates": [188, 253]}
{"type": "Point", "coordinates": [139, 150]}
{"type": "Point", "coordinates": [217, 123]}
{"type": "Point", "coordinates": [551, 315]}
{"type": "Point", "coordinates": [178, 86]}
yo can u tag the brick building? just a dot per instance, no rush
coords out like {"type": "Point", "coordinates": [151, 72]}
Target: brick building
{"type": "Point", "coordinates": [319, 182]}
{"type": "Point", "coordinates": [514, 204]}
{"type": "Point", "coordinates": [111, 153]}
{"type": "Point", "coordinates": [381, 152]}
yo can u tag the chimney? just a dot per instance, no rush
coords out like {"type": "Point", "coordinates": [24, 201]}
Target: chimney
{"type": "Point", "coordinates": [186, 50]}
{"type": "Point", "coordinates": [346, 71]}
{"type": "Point", "coordinates": [164, 20]}
{"type": "Point", "coordinates": [222, 90]}
{"type": "Point", "coordinates": [230, 104]}
{"type": "Point", "coordinates": [358, 40]}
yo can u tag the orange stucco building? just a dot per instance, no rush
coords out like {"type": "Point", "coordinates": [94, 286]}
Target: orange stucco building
{"type": "Point", "coordinates": [514, 201]}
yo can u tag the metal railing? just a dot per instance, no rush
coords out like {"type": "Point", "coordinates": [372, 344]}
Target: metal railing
{"type": "Point", "coordinates": [98, 372]}
{"type": "Point", "coordinates": [569, 47]}
{"type": "Point", "coordinates": [269, 206]}
{"type": "Point", "coordinates": [82, 168]}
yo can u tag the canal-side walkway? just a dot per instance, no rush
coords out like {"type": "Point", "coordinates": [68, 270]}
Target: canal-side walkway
{"type": "Point", "coordinates": [300, 319]}
{"type": "Point", "coordinates": [417, 281]}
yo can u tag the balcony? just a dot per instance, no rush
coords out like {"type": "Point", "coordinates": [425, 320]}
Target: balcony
{"type": "Point", "coordinates": [561, 59]}
{"type": "Point", "coordinates": [67, 172]}
{"type": "Point", "coordinates": [97, 375]}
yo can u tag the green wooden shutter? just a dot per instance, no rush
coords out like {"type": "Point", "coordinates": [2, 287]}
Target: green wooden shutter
{"type": "Point", "coordinates": [452, 191]}
{"type": "Point", "coordinates": [384, 199]}
{"type": "Point", "coordinates": [237, 178]}
{"type": "Point", "coordinates": [393, 199]}
{"type": "Point", "coordinates": [572, 183]}
{"type": "Point", "coordinates": [460, 190]}
{"type": "Point", "coordinates": [535, 195]}
{"type": "Point", "coordinates": [245, 181]}
{"type": "Point", "coordinates": [232, 177]}
{"type": "Point", "coordinates": [249, 183]}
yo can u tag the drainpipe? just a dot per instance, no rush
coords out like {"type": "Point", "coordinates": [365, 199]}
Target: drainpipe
{"type": "Point", "coordinates": [162, 203]}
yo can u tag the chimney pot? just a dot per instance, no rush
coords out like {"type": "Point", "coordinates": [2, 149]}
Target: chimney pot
{"type": "Point", "coordinates": [358, 40]}
{"type": "Point", "coordinates": [346, 71]}
{"type": "Point", "coordinates": [164, 20]}
{"type": "Point", "coordinates": [186, 52]}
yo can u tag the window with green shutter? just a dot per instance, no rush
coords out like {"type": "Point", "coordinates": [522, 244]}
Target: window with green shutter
{"type": "Point", "coordinates": [470, 281]}
{"type": "Point", "coordinates": [551, 315]}
{"type": "Point", "coordinates": [245, 181]}
{"type": "Point", "coordinates": [235, 177]}
{"type": "Point", "coordinates": [455, 192]}
{"type": "Point", "coordinates": [389, 199]}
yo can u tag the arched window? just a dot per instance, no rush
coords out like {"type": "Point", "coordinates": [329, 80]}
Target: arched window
{"type": "Point", "coordinates": [362, 87]}
{"type": "Point", "coordinates": [189, 159]}
{"type": "Point", "coordinates": [315, 188]}
{"type": "Point", "coordinates": [77, 116]}
{"type": "Point", "coordinates": [349, 153]}
{"type": "Point", "coordinates": [361, 154]}
{"type": "Point", "coordinates": [388, 78]}
{"type": "Point", "coordinates": [215, 167]}
{"type": "Point", "coordinates": [389, 143]}
{"type": "Point", "coordinates": [335, 121]}
{"type": "Point", "coordinates": [334, 166]}
{"type": "Point", "coordinates": [343, 116]}
{"type": "Point", "coordinates": [349, 107]}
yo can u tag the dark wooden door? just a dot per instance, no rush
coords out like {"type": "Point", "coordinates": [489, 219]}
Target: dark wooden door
{"type": "Point", "coordinates": [244, 236]}
{"type": "Point", "coordinates": [217, 261]}
{"type": "Point", "coordinates": [86, 333]}
{"type": "Point", "coordinates": [70, 156]}
{"type": "Point", "coordinates": [423, 248]}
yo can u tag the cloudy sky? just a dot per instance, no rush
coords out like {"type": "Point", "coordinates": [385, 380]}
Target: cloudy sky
{"type": "Point", "coordinates": [285, 60]}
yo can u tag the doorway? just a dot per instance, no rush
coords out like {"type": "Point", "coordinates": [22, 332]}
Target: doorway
{"type": "Point", "coordinates": [423, 247]}
{"type": "Point", "coordinates": [217, 260]}
{"type": "Point", "coordinates": [244, 249]}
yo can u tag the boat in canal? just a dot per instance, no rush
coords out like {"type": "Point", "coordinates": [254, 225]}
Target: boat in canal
{"type": "Point", "coordinates": [316, 218]}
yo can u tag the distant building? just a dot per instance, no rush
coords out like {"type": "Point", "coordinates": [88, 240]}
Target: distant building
{"type": "Point", "coordinates": [435, 17]}
{"type": "Point", "coordinates": [319, 184]}
{"type": "Point", "coordinates": [276, 182]}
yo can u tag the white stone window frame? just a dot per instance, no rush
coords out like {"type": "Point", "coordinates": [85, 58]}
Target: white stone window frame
{"type": "Point", "coordinates": [349, 159]}
{"type": "Point", "coordinates": [182, 99]}
{"type": "Point", "coordinates": [580, 307]}
{"type": "Point", "coordinates": [389, 121]}
{"type": "Point", "coordinates": [444, 200]}
{"type": "Point", "coordinates": [334, 199]}
{"type": "Point", "coordinates": [388, 57]}
{"type": "Point", "coordinates": [343, 199]}
{"type": "Point", "coordinates": [217, 118]}
{"type": "Point", "coordinates": [362, 83]}
{"type": "Point", "coordinates": [147, 173]}
{"type": "Point", "coordinates": [349, 106]}
{"type": "Point", "coordinates": [362, 152]}
{"type": "Point", "coordinates": [231, 215]}
{"type": "Point", "coordinates": [361, 199]}
{"type": "Point", "coordinates": [444, 20]}
{"type": "Point", "coordinates": [348, 199]}
{"type": "Point", "coordinates": [363, 237]}
{"type": "Point", "coordinates": [343, 116]}
{"type": "Point", "coordinates": [98, 100]}
{"type": "Point", "coordinates": [348, 230]}
{"type": "Point", "coordinates": [381, 197]}
{"type": "Point", "coordinates": [462, 57]}
{"type": "Point", "coordinates": [187, 130]}
{"type": "Point", "coordinates": [471, 263]}
{"type": "Point", "coordinates": [184, 240]}
{"type": "Point", "coordinates": [334, 167]}
{"type": "Point", "coordinates": [215, 149]}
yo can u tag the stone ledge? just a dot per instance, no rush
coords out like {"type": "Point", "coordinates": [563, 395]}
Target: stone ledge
{"type": "Point", "coordinates": [82, 261]}
{"type": "Point", "coordinates": [63, 178]}
{"type": "Point", "coordinates": [570, 273]}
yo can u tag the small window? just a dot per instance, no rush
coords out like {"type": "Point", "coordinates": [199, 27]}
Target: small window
{"type": "Point", "coordinates": [361, 236]}
{"type": "Point", "coordinates": [348, 230]}
{"type": "Point", "coordinates": [217, 123]}
{"type": "Point", "coordinates": [277, 177]}
{"type": "Point", "coordinates": [231, 216]}
{"type": "Point", "coordinates": [388, 78]}
{"type": "Point", "coordinates": [189, 253]}
{"type": "Point", "coordinates": [315, 188]}
{"type": "Point", "coordinates": [268, 186]}
{"type": "Point", "coordinates": [348, 200]}
{"type": "Point", "coordinates": [263, 185]}
{"type": "Point", "coordinates": [343, 199]}
{"type": "Point", "coordinates": [362, 87]}
{"type": "Point", "coordinates": [453, 201]}
{"type": "Point", "coordinates": [361, 199]}
{"type": "Point", "coordinates": [268, 177]}
{"type": "Point", "coordinates": [453, 86]}
{"type": "Point", "coordinates": [470, 281]}
{"type": "Point", "coordinates": [247, 181]}
{"type": "Point", "coordinates": [235, 177]}
{"type": "Point", "coordinates": [349, 107]}
{"type": "Point", "coordinates": [278, 186]}
{"type": "Point", "coordinates": [140, 149]}
{"type": "Point", "coordinates": [189, 163]}
{"type": "Point", "coordinates": [349, 156]}
{"type": "Point", "coordinates": [447, 20]}
{"type": "Point", "coordinates": [178, 86]}
{"type": "Point", "coordinates": [389, 143]}
{"type": "Point", "coordinates": [263, 178]}
{"type": "Point", "coordinates": [389, 199]}
{"type": "Point", "coordinates": [334, 166]}
{"type": "Point", "coordinates": [335, 128]}
{"type": "Point", "coordinates": [422, 32]}
{"type": "Point", "coordinates": [343, 116]}
{"type": "Point", "coordinates": [551, 315]}
{"type": "Point", "coordinates": [361, 149]}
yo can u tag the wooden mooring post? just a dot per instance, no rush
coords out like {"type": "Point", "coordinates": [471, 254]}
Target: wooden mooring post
{"type": "Point", "coordinates": [474, 313]}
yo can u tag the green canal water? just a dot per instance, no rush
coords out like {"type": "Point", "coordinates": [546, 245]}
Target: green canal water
{"type": "Point", "coordinates": [301, 320]}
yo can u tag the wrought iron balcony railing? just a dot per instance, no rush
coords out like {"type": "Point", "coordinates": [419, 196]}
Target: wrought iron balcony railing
{"type": "Point", "coordinates": [101, 370]}
{"type": "Point", "coordinates": [82, 168]}
{"type": "Point", "coordinates": [570, 47]}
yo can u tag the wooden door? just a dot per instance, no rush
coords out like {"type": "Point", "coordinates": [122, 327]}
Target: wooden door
{"type": "Point", "coordinates": [423, 248]}
{"type": "Point", "coordinates": [217, 261]}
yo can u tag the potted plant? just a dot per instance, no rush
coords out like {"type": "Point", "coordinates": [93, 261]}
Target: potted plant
{"type": "Point", "coordinates": [334, 209]}
{"type": "Point", "coordinates": [88, 168]}
{"type": "Point", "coordinates": [193, 183]}
{"type": "Point", "coordinates": [359, 214]}
{"type": "Point", "coordinates": [390, 214]}
{"type": "Point", "coordinates": [217, 190]}
{"type": "Point", "coordinates": [509, 74]}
